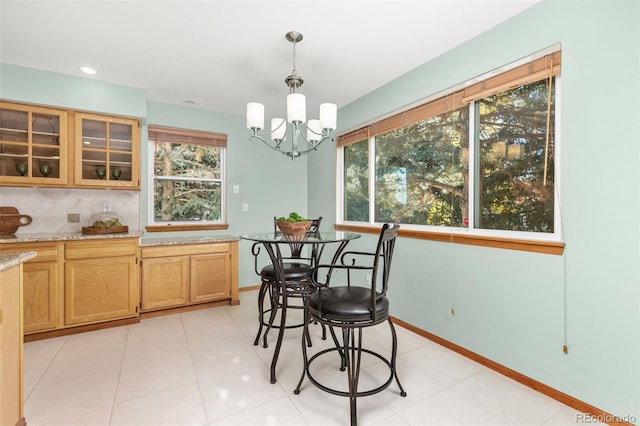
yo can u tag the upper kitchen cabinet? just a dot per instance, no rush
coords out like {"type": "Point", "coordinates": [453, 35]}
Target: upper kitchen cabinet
{"type": "Point", "coordinates": [33, 145]}
{"type": "Point", "coordinates": [107, 151]}
{"type": "Point", "coordinates": [42, 146]}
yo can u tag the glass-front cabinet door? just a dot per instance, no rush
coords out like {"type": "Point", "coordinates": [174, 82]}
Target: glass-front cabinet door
{"type": "Point", "coordinates": [107, 151]}
{"type": "Point", "coordinates": [33, 142]}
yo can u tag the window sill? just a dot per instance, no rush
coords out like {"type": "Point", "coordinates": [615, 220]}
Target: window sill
{"type": "Point", "coordinates": [174, 228]}
{"type": "Point", "coordinates": [546, 247]}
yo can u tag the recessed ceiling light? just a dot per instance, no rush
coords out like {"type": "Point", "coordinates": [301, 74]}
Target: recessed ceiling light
{"type": "Point", "coordinates": [87, 70]}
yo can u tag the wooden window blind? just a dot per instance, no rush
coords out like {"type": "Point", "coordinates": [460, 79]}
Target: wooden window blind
{"type": "Point", "coordinates": [185, 136]}
{"type": "Point", "coordinates": [539, 69]}
{"type": "Point", "coordinates": [353, 137]}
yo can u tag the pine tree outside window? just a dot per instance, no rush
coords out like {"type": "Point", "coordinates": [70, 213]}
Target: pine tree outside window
{"type": "Point", "coordinates": [188, 176]}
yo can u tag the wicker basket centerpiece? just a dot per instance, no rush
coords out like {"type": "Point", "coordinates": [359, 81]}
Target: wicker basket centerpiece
{"type": "Point", "coordinates": [294, 227]}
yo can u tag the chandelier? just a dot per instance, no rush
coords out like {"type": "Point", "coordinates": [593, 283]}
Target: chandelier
{"type": "Point", "coordinates": [317, 131]}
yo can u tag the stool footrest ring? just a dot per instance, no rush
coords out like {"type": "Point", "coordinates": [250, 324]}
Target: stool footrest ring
{"type": "Point", "coordinates": [340, 350]}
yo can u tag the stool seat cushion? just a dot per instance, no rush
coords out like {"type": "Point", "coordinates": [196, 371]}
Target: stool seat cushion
{"type": "Point", "coordinates": [347, 304]}
{"type": "Point", "coordinates": [292, 271]}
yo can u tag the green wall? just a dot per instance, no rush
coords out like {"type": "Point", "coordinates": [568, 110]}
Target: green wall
{"type": "Point", "coordinates": [37, 87]}
{"type": "Point", "coordinates": [519, 308]}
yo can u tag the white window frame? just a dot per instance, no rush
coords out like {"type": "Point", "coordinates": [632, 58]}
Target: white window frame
{"type": "Point", "coordinates": [555, 236]}
{"type": "Point", "coordinates": [223, 192]}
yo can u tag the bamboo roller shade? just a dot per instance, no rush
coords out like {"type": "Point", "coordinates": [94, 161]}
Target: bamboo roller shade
{"type": "Point", "coordinates": [185, 136]}
{"type": "Point", "coordinates": [539, 69]}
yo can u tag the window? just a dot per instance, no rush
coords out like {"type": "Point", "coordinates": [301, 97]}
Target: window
{"type": "Point", "coordinates": [480, 159]}
{"type": "Point", "coordinates": [188, 178]}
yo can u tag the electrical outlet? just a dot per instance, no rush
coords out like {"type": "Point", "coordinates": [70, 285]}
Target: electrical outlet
{"type": "Point", "coordinates": [367, 279]}
{"type": "Point", "coordinates": [106, 207]}
{"type": "Point", "coordinates": [73, 218]}
{"type": "Point", "coordinates": [245, 207]}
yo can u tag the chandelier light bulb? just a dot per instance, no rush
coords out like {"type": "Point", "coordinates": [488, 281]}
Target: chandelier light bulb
{"type": "Point", "coordinates": [314, 132]}
{"type": "Point", "coordinates": [278, 129]}
{"type": "Point", "coordinates": [328, 116]}
{"type": "Point", "coordinates": [255, 116]}
{"type": "Point", "coordinates": [296, 108]}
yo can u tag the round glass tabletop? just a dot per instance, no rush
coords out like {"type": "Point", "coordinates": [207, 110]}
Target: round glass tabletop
{"type": "Point", "coordinates": [322, 237]}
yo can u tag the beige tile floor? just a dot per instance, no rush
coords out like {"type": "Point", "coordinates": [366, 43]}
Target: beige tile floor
{"type": "Point", "coordinates": [200, 368]}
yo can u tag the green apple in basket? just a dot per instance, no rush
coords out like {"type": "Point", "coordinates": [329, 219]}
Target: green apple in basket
{"type": "Point", "coordinates": [293, 217]}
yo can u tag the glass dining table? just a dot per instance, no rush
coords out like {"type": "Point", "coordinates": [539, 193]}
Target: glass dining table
{"type": "Point", "coordinates": [317, 244]}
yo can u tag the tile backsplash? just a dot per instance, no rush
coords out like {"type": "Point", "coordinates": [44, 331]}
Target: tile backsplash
{"type": "Point", "coordinates": [49, 207]}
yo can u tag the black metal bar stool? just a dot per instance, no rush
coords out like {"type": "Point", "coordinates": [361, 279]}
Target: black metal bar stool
{"type": "Point", "coordinates": [296, 271]}
{"type": "Point", "coordinates": [353, 308]}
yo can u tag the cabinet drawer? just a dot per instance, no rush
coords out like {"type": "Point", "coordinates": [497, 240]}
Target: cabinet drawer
{"type": "Point", "coordinates": [184, 249]}
{"type": "Point", "coordinates": [100, 248]}
{"type": "Point", "coordinates": [46, 252]}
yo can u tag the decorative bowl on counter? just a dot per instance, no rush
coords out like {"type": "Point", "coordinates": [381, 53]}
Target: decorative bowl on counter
{"type": "Point", "coordinates": [104, 223]}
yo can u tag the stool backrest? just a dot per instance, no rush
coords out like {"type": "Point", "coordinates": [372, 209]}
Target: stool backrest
{"type": "Point", "coordinates": [384, 252]}
{"type": "Point", "coordinates": [377, 264]}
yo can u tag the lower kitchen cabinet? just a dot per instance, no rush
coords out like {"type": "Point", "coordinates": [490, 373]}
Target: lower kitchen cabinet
{"type": "Point", "coordinates": [165, 281]}
{"type": "Point", "coordinates": [42, 293]}
{"type": "Point", "coordinates": [210, 277]}
{"type": "Point", "coordinates": [86, 282]}
{"type": "Point", "coordinates": [11, 371]}
{"type": "Point", "coordinates": [41, 311]}
{"type": "Point", "coordinates": [101, 280]}
{"type": "Point", "coordinates": [188, 274]}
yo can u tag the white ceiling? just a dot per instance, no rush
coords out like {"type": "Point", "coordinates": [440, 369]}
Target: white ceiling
{"type": "Point", "coordinates": [223, 54]}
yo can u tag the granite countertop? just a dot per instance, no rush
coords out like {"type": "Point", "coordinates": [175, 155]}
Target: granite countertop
{"type": "Point", "coordinates": [9, 260]}
{"type": "Point", "coordinates": [144, 242]}
{"type": "Point", "coordinates": [63, 236]}
{"type": "Point", "coordinates": [169, 241]}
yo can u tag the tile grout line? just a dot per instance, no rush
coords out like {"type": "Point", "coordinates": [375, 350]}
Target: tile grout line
{"type": "Point", "coordinates": [115, 393]}
{"type": "Point", "coordinates": [197, 379]}
{"type": "Point", "coordinates": [44, 370]}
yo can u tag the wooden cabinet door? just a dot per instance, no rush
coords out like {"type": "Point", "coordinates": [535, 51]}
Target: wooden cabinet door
{"type": "Point", "coordinates": [106, 151]}
{"type": "Point", "coordinates": [42, 287]}
{"type": "Point", "coordinates": [100, 289]}
{"type": "Point", "coordinates": [40, 296]}
{"type": "Point", "coordinates": [165, 282]}
{"type": "Point", "coordinates": [210, 277]}
{"type": "Point", "coordinates": [11, 344]}
{"type": "Point", "coordinates": [33, 145]}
